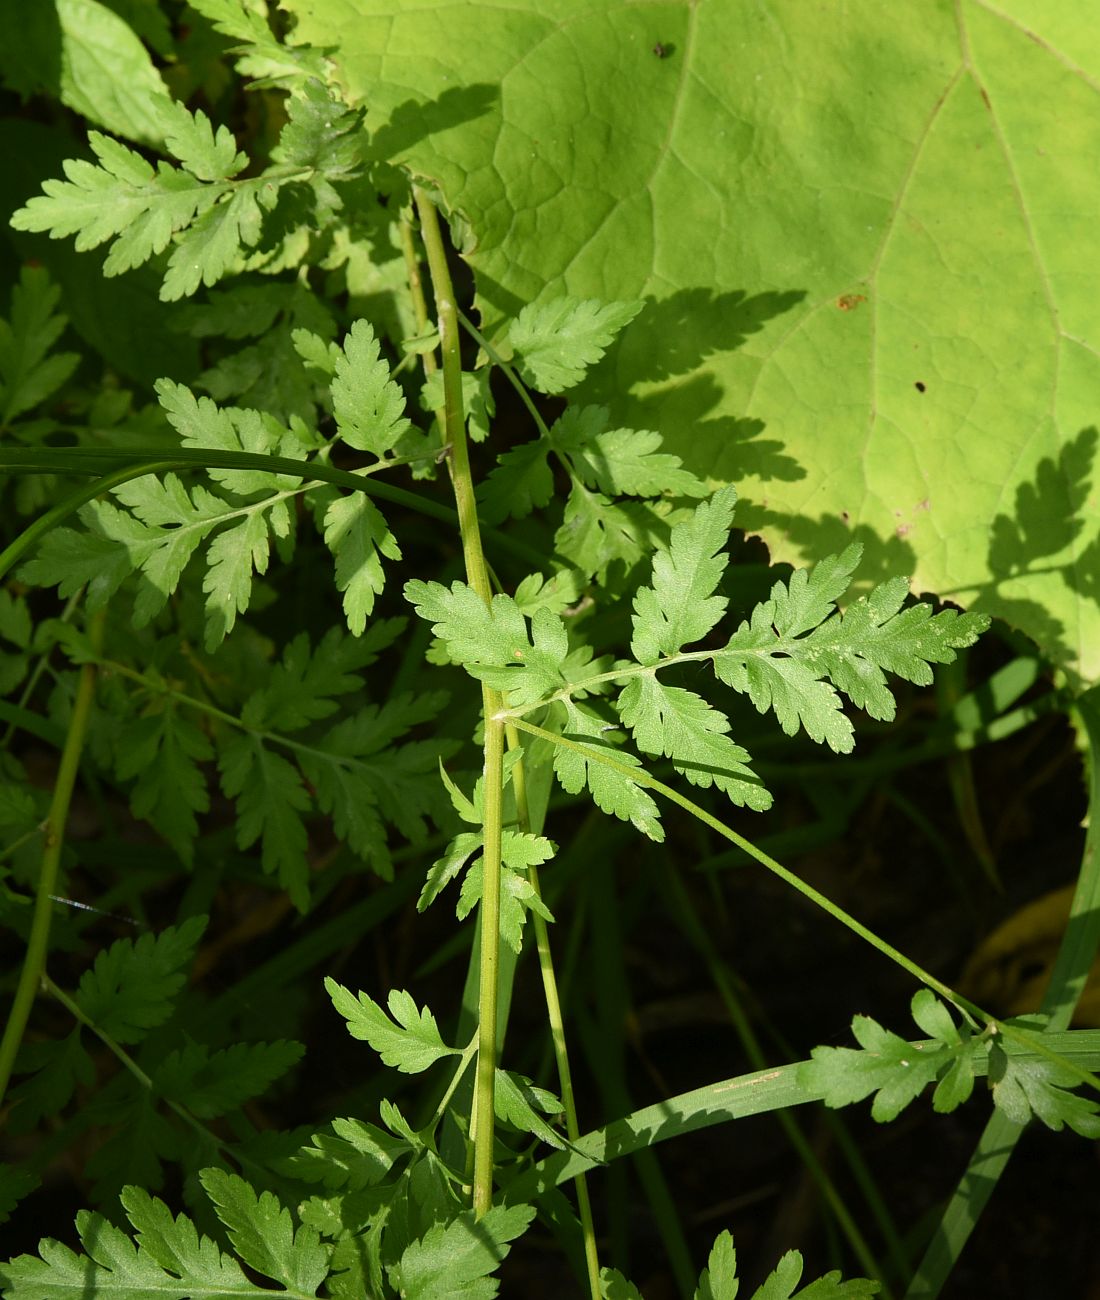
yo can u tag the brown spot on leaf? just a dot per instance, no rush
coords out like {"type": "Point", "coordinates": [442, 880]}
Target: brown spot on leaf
{"type": "Point", "coordinates": [850, 301]}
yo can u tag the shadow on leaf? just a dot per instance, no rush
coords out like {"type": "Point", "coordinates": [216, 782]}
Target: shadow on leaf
{"type": "Point", "coordinates": [694, 324]}
{"type": "Point", "coordinates": [417, 120]}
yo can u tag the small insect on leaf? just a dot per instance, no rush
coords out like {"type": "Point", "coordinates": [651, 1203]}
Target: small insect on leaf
{"type": "Point", "coordinates": [663, 50]}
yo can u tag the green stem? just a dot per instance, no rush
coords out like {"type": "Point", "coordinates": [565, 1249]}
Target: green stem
{"type": "Point", "coordinates": [977, 1016]}
{"type": "Point", "coordinates": [454, 428]}
{"type": "Point", "coordinates": [467, 1056]}
{"type": "Point", "coordinates": [420, 305]}
{"type": "Point", "coordinates": [503, 366]}
{"type": "Point", "coordinates": [557, 1028]}
{"type": "Point", "coordinates": [641, 777]}
{"type": "Point", "coordinates": [128, 1063]}
{"type": "Point", "coordinates": [34, 961]}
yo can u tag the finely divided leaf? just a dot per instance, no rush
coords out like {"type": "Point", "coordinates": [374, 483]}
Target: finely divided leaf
{"type": "Point", "coordinates": [122, 199]}
{"type": "Point", "coordinates": [895, 1070]}
{"type": "Point", "coordinates": [681, 607]}
{"type": "Point", "coordinates": [558, 341]}
{"type": "Point", "coordinates": [780, 1285]}
{"type": "Point", "coordinates": [203, 425]}
{"type": "Point", "coordinates": [305, 684]}
{"type": "Point", "coordinates": [212, 1083]}
{"type": "Point", "coordinates": [407, 1039]}
{"type": "Point", "coordinates": [620, 462]}
{"type": "Point", "coordinates": [270, 800]}
{"type": "Point", "coordinates": [612, 791]}
{"type": "Point", "coordinates": [460, 850]}
{"type": "Point", "coordinates": [369, 406]}
{"type": "Point", "coordinates": [163, 751]}
{"type": "Point", "coordinates": [597, 535]}
{"type": "Point", "coordinates": [166, 1258]}
{"type": "Point", "coordinates": [798, 675]}
{"type": "Point", "coordinates": [358, 536]}
{"type": "Point", "coordinates": [681, 725]}
{"type": "Point", "coordinates": [492, 642]}
{"type": "Point", "coordinates": [132, 985]}
{"type": "Point", "coordinates": [28, 373]}
{"type": "Point", "coordinates": [517, 1101]}
{"type": "Point", "coordinates": [455, 1259]}
{"type": "Point", "coordinates": [262, 1233]}
{"type": "Point", "coordinates": [14, 1185]}
{"type": "Point", "coordinates": [718, 1281]}
{"type": "Point", "coordinates": [209, 155]}
{"type": "Point", "coordinates": [613, 1286]}
{"type": "Point", "coordinates": [1022, 1084]}
{"type": "Point", "coordinates": [521, 481]}
{"type": "Point", "coordinates": [174, 1245]}
{"type": "Point", "coordinates": [1025, 1087]}
{"type": "Point", "coordinates": [517, 894]}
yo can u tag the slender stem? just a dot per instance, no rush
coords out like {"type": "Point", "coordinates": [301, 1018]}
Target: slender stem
{"type": "Point", "coordinates": [1025, 1037]}
{"type": "Point", "coordinates": [135, 466]}
{"type": "Point", "coordinates": [419, 302]}
{"type": "Point", "coordinates": [467, 1056]}
{"type": "Point", "coordinates": [641, 777]}
{"type": "Point", "coordinates": [507, 370]}
{"type": "Point", "coordinates": [34, 961]}
{"type": "Point", "coordinates": [557, 1027]}
{"type": "Point", "coordinates": [454, 428]}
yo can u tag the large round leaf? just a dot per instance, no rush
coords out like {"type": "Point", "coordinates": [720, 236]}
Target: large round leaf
{"type": "Point", "coordinates": [869, 235]}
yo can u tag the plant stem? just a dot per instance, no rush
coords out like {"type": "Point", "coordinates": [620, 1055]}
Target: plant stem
{"type": "Point", "coordinates": [557, 1028]}
{"type": "Point", "coordinates": [420, 305]}
{"type": "Point", "coordinates": [1015, 1033]}
{"type": "Point", "coordinates": [477, 574]}
{"type": "Point", "coordinates": [508, 372]}
{"type": "Point", "coordinates": [34, 961]}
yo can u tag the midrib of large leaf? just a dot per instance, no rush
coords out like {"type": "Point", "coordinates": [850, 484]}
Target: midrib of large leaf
{"type": "Point", "coordinates": [869, 235]}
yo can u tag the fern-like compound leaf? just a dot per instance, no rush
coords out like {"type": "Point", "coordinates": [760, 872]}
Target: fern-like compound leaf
{"type": "Point", "coordinates": [453, 1261]}
{"type": "Point", "coordinates": [558, 341]}
{"type": "Point", "coordinates": [406, 1039]}
{"type": "Point", "coordinates": [368, 405]}
{"type": "Point", "coordinates": [619, 462]}
{"type": "Point", "coordinates": [492, 641]}
{"type": "Point", "coordinates": [612, 791]}
{"type": "Point", "coordinates": [678, 724]}
{"type": "Point", "coordinates": [680, 606]}
{"type": "Point", "coordinates": [358, 537]}
{"type": "Point", "coordinates": [166, 1258]}
{"type": "Point", "coordinates": [132, 986]}
{"type": "Point", "coordinates": [208, 154]}
{"type": "Point", "coordinates": [263, 1234]}
{"type": "Point", "coordinates": [1023, 1085]}
{"type": "Point", "coordinates": [30, 371]}
{"type": "Point", "coordinates": [796, 653]}
{"type": "Point", "coordinates": [213, 1083]}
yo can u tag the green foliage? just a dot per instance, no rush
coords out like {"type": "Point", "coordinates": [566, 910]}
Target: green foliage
{"type": "Point", "coordinates": [897, 1072]}
{"type": "Point", "coordinates": [796, 656]}
{"type": "Point", "coordinates": [455, 1259]}
{"type": "Point", "coordinates": [407, 1039]}
{"type": "Point", "coordinates": [213, 220]}
{"type": "Point", "coordinates": [30, 371]}
{"type": "Point", "coordinates": [167, 1256]}
{"type": "Point", "coordinates": [558, 341]}
{"type": "Point", "coordinates": [815, 332]}
{"type": "Point", "coordinates": [719, 1281]}
{"type": "Point", "coordinates": [131, 987]}
{"type": "Point", "coordinates": [206, 646]}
